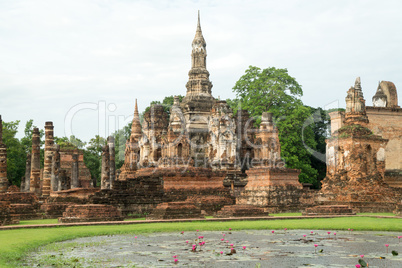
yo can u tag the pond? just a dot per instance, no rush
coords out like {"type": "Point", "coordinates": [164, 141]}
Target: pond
{"type": "Point", "coordinates": [254, 248]}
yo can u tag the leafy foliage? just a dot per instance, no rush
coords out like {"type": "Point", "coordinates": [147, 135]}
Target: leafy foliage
{"type": "Point", "coordinates": [274, 90]}
{"type": "Point", "coordinates": [166, 103]}
{"type": "Point", "coordinates": [93, 156]}
{"type": "Point", "coordinates": [362, 263]}
{"type": "Point", "coordinates": [17, 149]}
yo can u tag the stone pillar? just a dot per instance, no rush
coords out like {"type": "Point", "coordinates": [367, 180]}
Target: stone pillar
{"type": "Point", "coordinates": [105, 175]}
{"type": "Point", "coordinates": [22, 186]}
{"type": "Point", "coordinates": [62, 183]}
{"type": "Point", "coordinates": [55, 169]}
{"type": "Point", "coordinates": [34, 184]}
{"type": "Point", "coordinates": [75, 183]}
{"type": "Point", "coordinates": [112, 162]}
{"type": "Point", "coordinates": [27, 173]}
{"type": "Point", "coordinates": [3, 162]}
{"type": "Point", "coordinates": [49, 148]}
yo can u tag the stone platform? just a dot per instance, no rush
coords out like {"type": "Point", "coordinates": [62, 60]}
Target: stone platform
{"type": "Point", "coordinates": [54, 210]}
{"type": "Point", "coordinates": [241, 211]}
{"type": "Point", "coordinates": [328, 210]}
{"type": "Point", "coordinates": [175, 210]}
{"type": "Point", "coordinates": [90, 213]}
{"type": "Point", "coordinates": [26, 205]}
{"type": "Point", "coordinates": [7, 215]}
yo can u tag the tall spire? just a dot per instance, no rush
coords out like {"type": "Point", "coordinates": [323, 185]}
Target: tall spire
{"type": "Point", "coordinates": [199, 52]}
{"type": "Point", "coordinates": [199, 24]}
{"type": "Point", "coordinates": [136, 125]}
{"type": "Point", "coordinates": [198, 82]}
{"type": "Point", "coordinates": [136, 109]}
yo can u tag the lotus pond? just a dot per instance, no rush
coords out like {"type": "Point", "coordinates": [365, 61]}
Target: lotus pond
{"type": "Point", "coordinates": [247, 248]}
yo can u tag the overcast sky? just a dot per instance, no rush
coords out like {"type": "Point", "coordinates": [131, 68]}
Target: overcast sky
{"type": "Point", "coordinates": [85, 62]}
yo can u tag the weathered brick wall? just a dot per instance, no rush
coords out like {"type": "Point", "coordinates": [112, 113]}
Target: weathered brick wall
{"type": "Point", "coordinates": [77, 195]}
{"type": "Point", "coordinates": [175, 210]}
{"type": "Point", "coordinates": [26, 205]}
{"type": "Point", "coordinates": [7, 214]}
{"type": "Point", "coordinates": [134, 196]}
{"type": "Point", "coordinates": [241, 211]}
{"type": "Point", "coordinates": [90, 213]}
{"type": "Point", "coordinates": [66, 162]}
{"type": "Point", "coordinates": [329, 210]}
{"type": "Point", "coordinates": [387, 122]}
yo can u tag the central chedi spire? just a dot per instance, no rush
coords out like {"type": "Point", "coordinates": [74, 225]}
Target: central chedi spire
{"type": "Point", "coordinates": [198, 82]}
{"type": "Point", "coordinates": [198, 99]}
{"type": "Point", "coordinates": [197, 103]}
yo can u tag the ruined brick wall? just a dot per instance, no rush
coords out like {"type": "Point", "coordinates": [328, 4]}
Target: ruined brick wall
{"type": "Point", "coordinates": [66, 162]}
{"type": "Point", "coordinates": [387, 122]}
{"type": "Point", "coordinates": [7, 215]}
{"type": "Point", "coordinates": [133, 196]}
{"type": "Point", "coordinates": [26, 205]}
{"type": "Point", "coordinates": [90, 213]}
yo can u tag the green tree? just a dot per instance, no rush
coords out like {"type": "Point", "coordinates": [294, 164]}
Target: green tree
{"type": "Point", "coordinates": [269, 89]}
{"type": "Point", "coordinates": [16, 155]}
{"type": "Point", "coordinates": [274, 90]}
{"type": "Point", "coordinates": [93, 156]}
{"type": "Point", "coordinates": [166, 103]}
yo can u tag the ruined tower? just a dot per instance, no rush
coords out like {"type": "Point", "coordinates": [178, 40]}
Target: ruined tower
{"type": "Point", "coordinates": [132, 150]}
{"type": "Point", "coordinates": [35, 163]}
{"type": "Point", "coordinates": [356, 157]}
{"type": "Point", "coordinates": [3, 161]}
{"type": "Point", "coordinates": [49, 148]}
{"type": "Point", "coordinates": [197, 103]}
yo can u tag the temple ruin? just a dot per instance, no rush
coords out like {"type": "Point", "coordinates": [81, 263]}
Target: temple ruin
{"type": "Point", "coordinates": [357, 154]}
{"type": "Point", "coordinates": [202, 159]}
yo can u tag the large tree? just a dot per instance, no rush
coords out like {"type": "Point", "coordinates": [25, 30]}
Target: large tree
{"type": "Point", "coordinates": [274, 90]}
{"type": "Point", "coordinates": [270, 89]}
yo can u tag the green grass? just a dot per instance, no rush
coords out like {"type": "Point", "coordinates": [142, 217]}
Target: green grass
{"type": "Point", "coordinates": [376, 214]}
{"type": "Point", "coordinates": [285, 214]}
{"type": "Point", "coordinates": [35, 222]}
{"type": "Point", "coordinates": [14, 244]}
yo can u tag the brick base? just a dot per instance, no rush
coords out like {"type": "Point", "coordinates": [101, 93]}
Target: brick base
{"type": "Point", "coordinates": [7, 215]}
{"type": "Point", "coordinates": [241, 211]}
{"type": "Point", "coordinates": [90, 213]}
{"type": "Point", "coordinates": [175, 210]}
{"type": "Point", "coordinates": [328, 210]}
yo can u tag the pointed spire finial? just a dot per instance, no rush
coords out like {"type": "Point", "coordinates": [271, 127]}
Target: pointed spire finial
{"type": "Point", "coordinates": [136, 109]}
{"type": "Point", "coordinates": [358, 83]}
{"type": "Point", "coordinates": [198, 24]}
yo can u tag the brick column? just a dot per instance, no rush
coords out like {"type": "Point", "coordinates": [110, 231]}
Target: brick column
{"type": "Point", "coordinates": [105, 175]}
{"type": "Point", "coordinates": [54, 183]}
{"type": "Point", "coordinates": [75, 183]}
{"type": "Point", "coordinates": [3, 162]}
{"type": "Point", "coordinates": [49, 148]}
{"type": "Point", "coordinates": [27, 173]}
{"type": "Point", "coordinates": [34, 184]}
{"type": "Point", "coordinates": [112, 162]}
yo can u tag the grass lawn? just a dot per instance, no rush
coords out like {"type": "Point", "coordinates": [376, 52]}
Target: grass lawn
{"type": "Point", "coordinates": [14, 244]}
{"type": "Point", "coordinates": [35, 222]}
